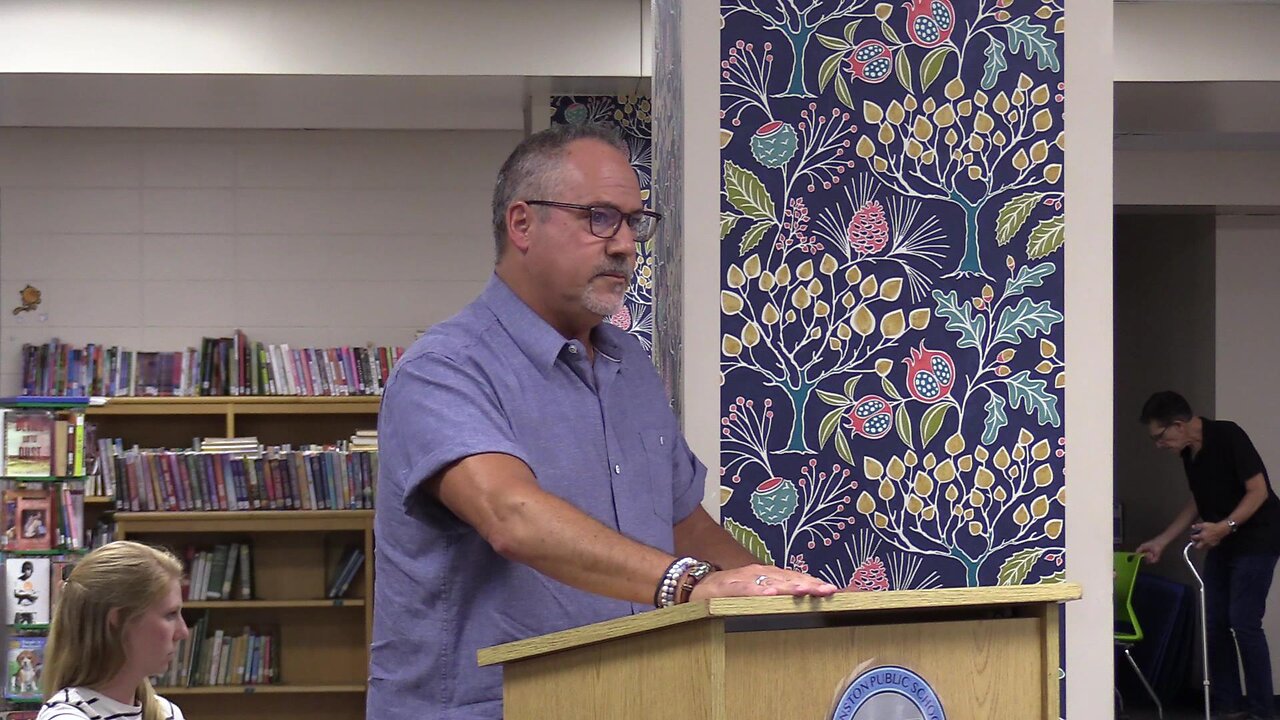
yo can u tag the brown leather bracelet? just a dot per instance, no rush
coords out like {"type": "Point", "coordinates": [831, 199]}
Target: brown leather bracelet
{"type": "Point", "coordinates": [690, 580]}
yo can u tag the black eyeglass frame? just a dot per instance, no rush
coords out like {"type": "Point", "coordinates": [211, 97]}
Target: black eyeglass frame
{"type": "Point", "coordinates": [591, 211]}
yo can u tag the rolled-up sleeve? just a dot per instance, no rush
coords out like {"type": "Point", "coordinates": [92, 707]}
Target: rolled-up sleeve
{"type": "Point", "coordinates": [440, 413]}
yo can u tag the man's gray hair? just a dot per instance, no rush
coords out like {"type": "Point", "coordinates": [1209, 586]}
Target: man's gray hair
{"type": "Point", "coordinates": [532, 171]}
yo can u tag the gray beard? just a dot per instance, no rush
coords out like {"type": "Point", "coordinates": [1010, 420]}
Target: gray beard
{"type": "Point", "coordinates": [598, 304]}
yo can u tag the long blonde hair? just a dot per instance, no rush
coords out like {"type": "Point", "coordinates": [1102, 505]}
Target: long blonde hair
{"type": "Point", "coordinates": [84, 648]}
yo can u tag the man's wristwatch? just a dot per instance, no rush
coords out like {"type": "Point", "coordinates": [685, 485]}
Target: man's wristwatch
{"type": "Point", "coordinates": [1232, 525]}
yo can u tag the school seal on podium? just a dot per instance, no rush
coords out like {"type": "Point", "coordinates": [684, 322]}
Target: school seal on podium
{"type": "Point", "coordinates": [888, 692]}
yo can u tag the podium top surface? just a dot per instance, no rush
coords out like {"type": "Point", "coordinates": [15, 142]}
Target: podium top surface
{"type": "Point", "coordinates": [777, 605]}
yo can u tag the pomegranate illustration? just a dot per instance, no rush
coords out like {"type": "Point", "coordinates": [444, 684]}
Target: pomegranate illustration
{"type": "Point", "coordinates": [774, 500]}
{"type": "Point", "coordinates": [868, 231]}
{"type": "Point", "coordinates": [871, 417]}
{"type": "Point", "coordinates": [929, 22]}
{"type": "Point", "coordinates": [930, 374]}
{"type": "Point", "coordinates": [871, 61]}
{"type": "Point", "coordinates": [774, 144]}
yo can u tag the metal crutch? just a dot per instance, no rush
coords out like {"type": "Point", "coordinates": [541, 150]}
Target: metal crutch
{"type": "Point", "coordinates": [1204, 627]}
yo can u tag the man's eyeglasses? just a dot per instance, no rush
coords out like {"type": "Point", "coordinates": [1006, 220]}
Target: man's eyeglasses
{"type": "Point", "coordinates": [606, 220]}
{"type": "Point", "coordinates": [1160, 435]}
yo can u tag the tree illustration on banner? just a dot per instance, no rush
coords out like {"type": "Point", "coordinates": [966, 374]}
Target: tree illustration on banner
{"type": "Point", "coordinates": [968, 149]}
{"type": "Point", "coordinates": [891, 298]}
{"type": "Point", "coordinates": [797, 26]}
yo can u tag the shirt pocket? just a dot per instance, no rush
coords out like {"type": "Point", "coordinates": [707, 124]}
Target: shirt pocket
{"type": "Point", "coordinates": [657, 461]}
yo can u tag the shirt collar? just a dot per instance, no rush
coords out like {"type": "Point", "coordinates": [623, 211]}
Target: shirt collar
{"type": "Point", "coordinates": [540, 342]}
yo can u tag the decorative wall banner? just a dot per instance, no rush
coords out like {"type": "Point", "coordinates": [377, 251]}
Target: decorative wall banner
{"type": "Point", "coordinates": [892, 289]}
{"type": "Point", "coordinates": [631, 115]}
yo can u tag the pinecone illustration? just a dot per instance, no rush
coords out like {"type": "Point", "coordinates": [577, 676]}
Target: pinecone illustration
{"type": "Point", "coordinates": [870, 576]}
{"type": "Point", "coordinates": [622, 318]}
{"type": "Point", "coordinates": [868, 231]}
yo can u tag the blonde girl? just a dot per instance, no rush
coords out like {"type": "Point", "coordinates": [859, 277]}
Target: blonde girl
{"type": "Point", "coordinates": [119, 621]}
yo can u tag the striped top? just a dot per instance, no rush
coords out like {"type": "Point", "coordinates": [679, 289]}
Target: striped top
{"type": "Point", "coordinates": [77, 703]}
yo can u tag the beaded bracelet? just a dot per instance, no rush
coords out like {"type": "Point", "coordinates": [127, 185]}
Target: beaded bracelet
{"type": "Point", "coordinates": [665, 595]}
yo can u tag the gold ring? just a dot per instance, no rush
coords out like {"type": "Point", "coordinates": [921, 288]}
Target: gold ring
{"type": "Point", "coordinates": [762, 579]}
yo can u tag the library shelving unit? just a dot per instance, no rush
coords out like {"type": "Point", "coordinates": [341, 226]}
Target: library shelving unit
{"type": "Point", "coordinates": [43, 518]}
{"type": "Point", "coordinates": [322, 643]}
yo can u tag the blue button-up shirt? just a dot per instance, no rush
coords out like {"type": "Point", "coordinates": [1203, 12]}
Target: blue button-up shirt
{"type": "Point", "coordinates": [496, 378]}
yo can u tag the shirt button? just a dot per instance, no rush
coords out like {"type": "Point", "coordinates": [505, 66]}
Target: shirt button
{"type": "Point", "coordinates": [617, 469]}
{"type": "Point", "coordinates": [573, 349]}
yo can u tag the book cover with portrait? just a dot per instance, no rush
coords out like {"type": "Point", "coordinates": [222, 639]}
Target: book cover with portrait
{"type": "Point", "coordinates": [32, 521]}
{"type": "Point", "coordinates": [26, 663]}
{"type": "Point", "coordinates": [27, 587]}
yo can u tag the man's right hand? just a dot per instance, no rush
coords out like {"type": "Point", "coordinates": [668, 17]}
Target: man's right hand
{"type": "Point", "coordinates": [1152, 549]}
{"type": "Point", "coordinates": [742, 582]}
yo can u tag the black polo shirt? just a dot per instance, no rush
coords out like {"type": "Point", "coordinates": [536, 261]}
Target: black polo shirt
{"type": "Point", "coordinates": [1217, 475]}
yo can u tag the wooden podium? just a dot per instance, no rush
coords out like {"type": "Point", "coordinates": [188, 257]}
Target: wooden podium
{"type": "Point", "coordinates": [988, 654]}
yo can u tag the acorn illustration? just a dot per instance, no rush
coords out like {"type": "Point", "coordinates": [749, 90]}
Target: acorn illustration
{"type": "Point", "coordinates": [774, 501]}
{"type": "Point", "coordinates": [576, 114]}
{"type": "Point", "coordinates": [774, 144]}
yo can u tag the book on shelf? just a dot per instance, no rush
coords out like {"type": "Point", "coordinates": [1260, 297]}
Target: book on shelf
{"type": "Point", "coordinates": [220, 366]}
{"type": "Point", "coordinates": [364, 440]}
{"type": "Point", "coordinates": [28, 443]}
{"type": "Point", "coordinates": [249, 445]}
{"type": "Point", "coordinates": [349, 564]}
{"type": "Point", "coordinates": [27, 581]}
{"type": "Point", "coordinates": [26, 664]}
{"type": "Point", "coordinates": [31, 520]}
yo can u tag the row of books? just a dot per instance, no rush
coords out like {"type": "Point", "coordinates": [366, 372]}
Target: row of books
{"type": "Point", "coordinates": [42, 518]}
{"type": "Point", "coordinates": [41, 443]}
{"type": "Point", "coordinates": [220, 658]}
{"type": "Point", "coordinates": [34, 585]}
{"type": "Point", "coordinates": [220, 366]}
{"type": "Point", "coordinates": [224, 572]}
{"type": "Point", "coordinates": [275, 477]}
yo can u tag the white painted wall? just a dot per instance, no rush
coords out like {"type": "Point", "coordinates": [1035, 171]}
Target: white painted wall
{"type": "Point", "coordinates": [152, 238]}
{"type": "Point", "coordinates": [1187, 41]}
{"type": "Point", "coordinates": [1088, 116]}
{"type": "Point", "coordinates": [1248, 339]}
{"type": "Point", "coordinates": [701, 403]}
{"type": "Point", "coordinates": [327, 37]}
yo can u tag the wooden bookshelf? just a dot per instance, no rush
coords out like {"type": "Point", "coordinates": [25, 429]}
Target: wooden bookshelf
{"type": "Point", "coordinates": [323, 642]}
{"type": "Point", "coordinates": [174, 421]}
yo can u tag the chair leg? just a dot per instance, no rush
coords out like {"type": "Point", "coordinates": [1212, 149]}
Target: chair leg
{"type": "Point", "coordinates": [1143, 679]}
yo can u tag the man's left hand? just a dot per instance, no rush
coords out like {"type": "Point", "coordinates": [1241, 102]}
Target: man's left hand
{"type": "Point", "coordinates": [1209, 534]}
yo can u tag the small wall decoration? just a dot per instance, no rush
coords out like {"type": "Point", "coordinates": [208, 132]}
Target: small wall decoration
{"type": "Point", "coordinates": [30, 299]}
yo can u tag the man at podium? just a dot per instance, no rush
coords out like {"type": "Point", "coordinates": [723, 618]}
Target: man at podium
{"type": "Point", "coordinates": [533, 477]}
